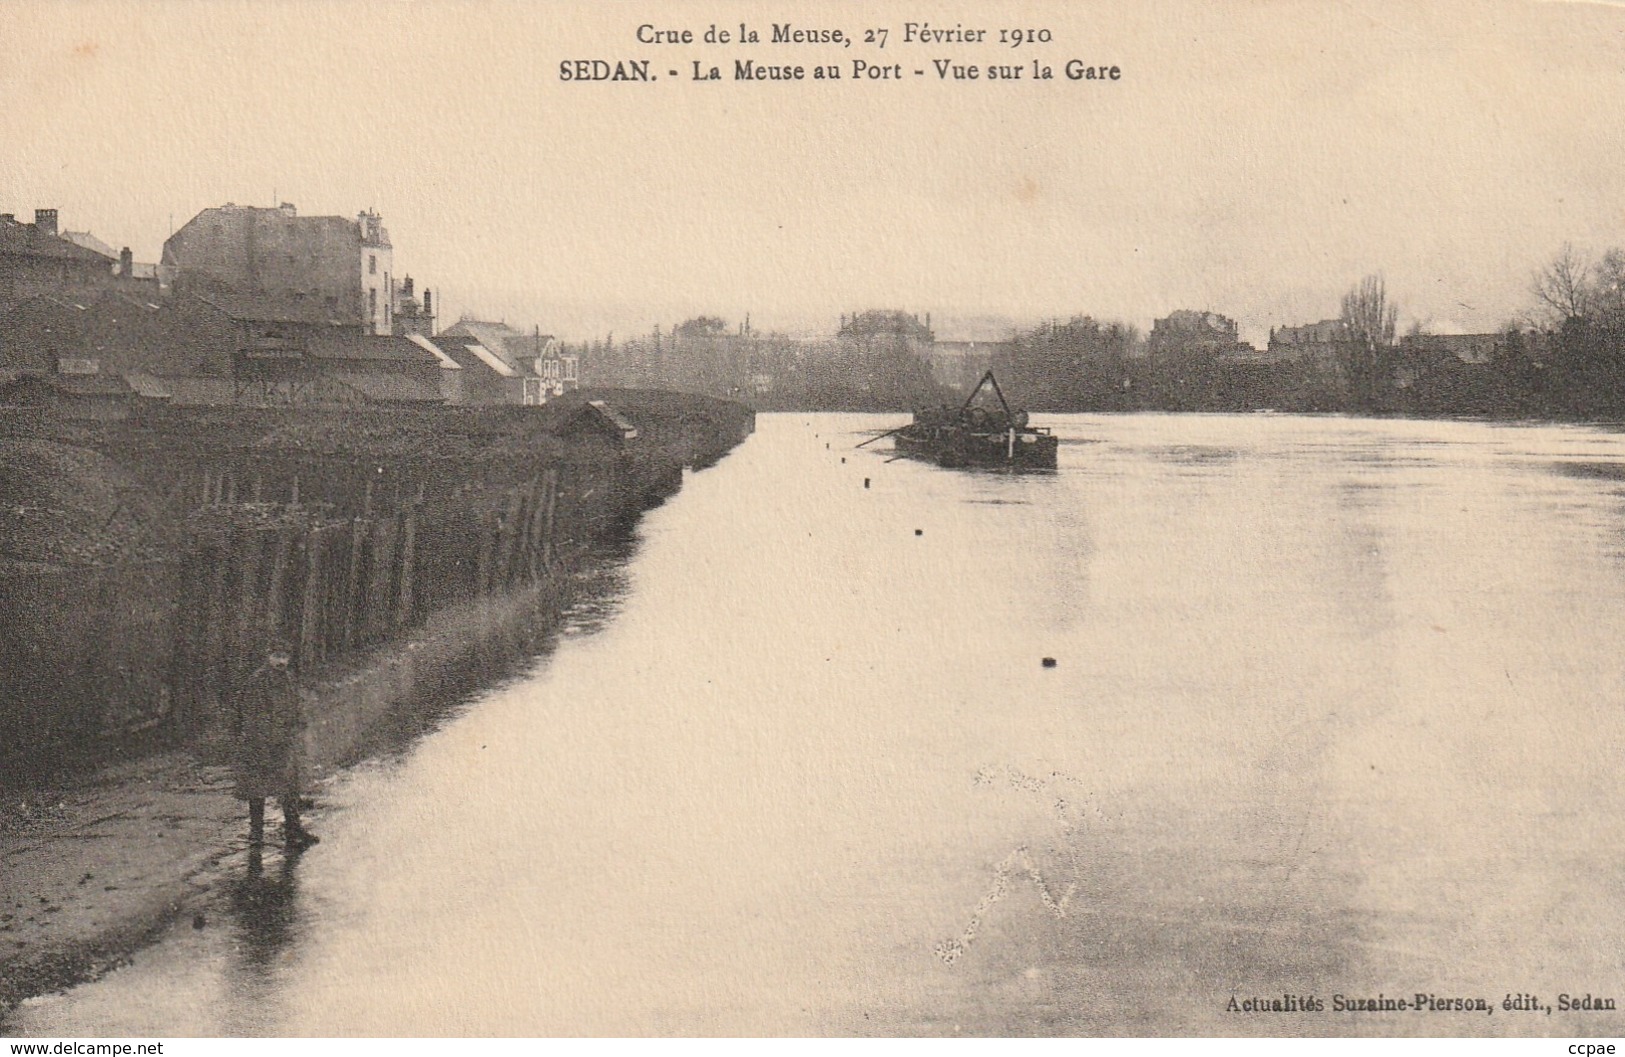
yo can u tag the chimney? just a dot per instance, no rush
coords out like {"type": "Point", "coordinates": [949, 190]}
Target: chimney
{"type": "Point", "coordinates": [45, 221]}
{"type": "Point", "coordinates": [126, 263]}
{"type": "Point", "coordinates": [428, 306]}
{"type": "Point", "coordinates": [8, 218]}
{"type": "Point", "coordinates": [287, 209]}
{"type": "Point", "coordinates": [406, 287]}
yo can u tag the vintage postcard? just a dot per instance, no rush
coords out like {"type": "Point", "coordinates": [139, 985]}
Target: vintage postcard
{"type": "Point", "coordinates": [811, 519]}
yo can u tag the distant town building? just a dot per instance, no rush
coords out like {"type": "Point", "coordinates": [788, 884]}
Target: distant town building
{"type": "Point", "coordinates": [887, 330]}
{"type": "Point", "coordinates": [1186, 332]}
{"type": "Point", "coordinates": [151, 278]}
{"type": "Point", "coordinates": [1321, 343]}
{"type": "Point", "coordinates": [336, 266]}
{"type": "Point", "coordinates": [35, 259]}
{"type": "Point", "coordinates": [89, 242]}
{"type": "Point", "coordinates": [1467, 348]}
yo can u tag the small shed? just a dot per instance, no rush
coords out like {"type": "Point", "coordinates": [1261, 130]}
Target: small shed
{"type": "Point", "coordinates": [102, 397]}
{"type": "Point", "coordinates": [596, 419]}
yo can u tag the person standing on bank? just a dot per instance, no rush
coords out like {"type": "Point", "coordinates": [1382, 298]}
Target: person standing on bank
{"type": "Point", "coordinates": [270, 722]}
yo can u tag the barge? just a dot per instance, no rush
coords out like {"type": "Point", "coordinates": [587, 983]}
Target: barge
{"type": "Point", "coordinates": [978, 436]}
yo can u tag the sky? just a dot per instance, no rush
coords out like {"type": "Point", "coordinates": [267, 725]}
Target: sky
{"type": "Point", "coordinates": [1255, 158]}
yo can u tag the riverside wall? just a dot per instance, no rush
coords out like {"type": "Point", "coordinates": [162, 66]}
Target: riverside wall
{"type": "Point", "coordinates": [386, 548]}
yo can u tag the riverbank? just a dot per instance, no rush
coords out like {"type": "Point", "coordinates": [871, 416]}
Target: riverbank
{"type": "Point", "coordinates": [94, 866]}
{"type": "Point", "coordinates": [144, 564]}
{"type": "Point", "coordinates": [412, 558]}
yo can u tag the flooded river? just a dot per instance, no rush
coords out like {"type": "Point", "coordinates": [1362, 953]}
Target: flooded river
{"type": "Point", "coordinates": [1335, 710]}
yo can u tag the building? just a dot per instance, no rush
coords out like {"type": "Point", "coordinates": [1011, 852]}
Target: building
{"type": "Point", "coordinates": [1191, 333]}
{"type": "Point", "coordinates": [474, 373]}
{"type": "Point", "coordinates": [219, 348]}
{"type": "Point", "coordinates": [341, 268]}
{"type": "Point", "coordinates": [412, 316]}
{"type": "Point", "coordinates": [287, 353]}
{"type": "Point", "coordinates": [350, 368]}
{"type": "Point", "coordinates": [1321, 343]}
{"type": "Point", "coordinates": [147, 279]}
{"type": "Point", "coordinates": [35, 259]}
{"type": "Point", "coordinates": [537, 367]}
{"type": "Point", "coordinates": [178, 349]}
{"type": "Point", "coordinates": [559, 368]}
{"type": "Point", "coordinates": [1467, 348]}
{"type": "Point", "coordinates": [887, 331]}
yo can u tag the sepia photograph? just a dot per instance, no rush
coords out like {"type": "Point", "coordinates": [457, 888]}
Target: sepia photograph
{"type": "Point", "coordinates": [811, 520]}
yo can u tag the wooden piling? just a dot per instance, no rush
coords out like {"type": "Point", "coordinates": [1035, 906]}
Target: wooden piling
{"type": "Point", "coordinates": [216, 635]}
{"type": "Point", "coordinates": [482, 568]}
{"type": "Point", "coordinates": [376, 617]}
{"type": "Point", "coordinates": [409, 541]}
{"type": "Point", "coordinates": [537, 505]}
{"type": "Point", "coordinates": [274, 590]}
{"type": "Point", "coordinates": [248, 647]}
{"type": "Point", "coordinates": [548, 545]}
{"type": "Point", "coordinates": [352, 579]}
{"type": "Point", "coordinates": [310, 611]}
{"type": "Point", "coordinates": [510, 533]}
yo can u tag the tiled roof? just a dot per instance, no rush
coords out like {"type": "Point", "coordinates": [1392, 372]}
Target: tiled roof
{"type": "Point", "coordinates": [390, 388]}
{"type": "Point", "coordinates": [470, 354]}
{"type": "Point", "coordinates": [595, 414]}
{"type": "Point", "coordinates": [90, 242]}
{"type": "Point", "coordinates": [28, 240]}
{"type": "Point", "coordinates": [446, 360]}
{"type": "Point", "coordinates": [345, 344]}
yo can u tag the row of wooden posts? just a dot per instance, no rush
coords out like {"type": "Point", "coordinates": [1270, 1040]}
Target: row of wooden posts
{"type": "Point", "coordinates": [327, 587]}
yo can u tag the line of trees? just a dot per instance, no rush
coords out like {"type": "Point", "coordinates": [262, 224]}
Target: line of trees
{"type": "Point", "coordinates": [1572, 360]}
{"type": "Point", "coordinates": [877, 361]}
{"type": "Point", "coordinates": [1565, 358]}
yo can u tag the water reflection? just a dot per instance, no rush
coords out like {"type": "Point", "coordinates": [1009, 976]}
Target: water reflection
{"type": "Point", "coordinates": [265, 918]}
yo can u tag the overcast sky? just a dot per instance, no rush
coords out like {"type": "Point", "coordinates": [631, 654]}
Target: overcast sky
{"type": "Point", "coordinates": [1255, 159]}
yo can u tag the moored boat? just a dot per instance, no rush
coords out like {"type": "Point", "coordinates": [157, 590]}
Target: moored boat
{"type": "Point", "coordinates": [978, 436]}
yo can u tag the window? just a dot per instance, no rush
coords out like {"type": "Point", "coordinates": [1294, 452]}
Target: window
{"type": "Point", "coordinates": [372, 302]}
{"type": "Point", "coordinates": [372, 264]}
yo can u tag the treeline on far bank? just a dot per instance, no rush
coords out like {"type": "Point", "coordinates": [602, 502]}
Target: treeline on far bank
{"type": "Point", "coordinates": [1576, 370]}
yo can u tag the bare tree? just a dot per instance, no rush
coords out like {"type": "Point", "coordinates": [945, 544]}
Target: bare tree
{"type": "Point", "coordinates": [1369, 317]}
{"type": "Point", "coordinates": [1607, 293]}
{"type": "Point", "coordinates": [1369, 322]}
{"type": "Point", "coordinates": [1563, 287]}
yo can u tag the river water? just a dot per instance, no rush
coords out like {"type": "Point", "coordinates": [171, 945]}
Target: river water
{"type": "Point", "coordinates": [1335, 710]}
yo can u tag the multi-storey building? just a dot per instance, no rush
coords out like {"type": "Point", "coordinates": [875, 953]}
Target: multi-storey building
{"type": "Point", "coordinates": [36, 259]}
{"type": "Point", "coordinates": [337, 266]}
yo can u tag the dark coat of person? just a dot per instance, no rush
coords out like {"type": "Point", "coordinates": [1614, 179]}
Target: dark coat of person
{"type": "Point", "coordinates": [270, 723]}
